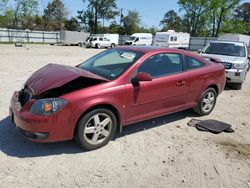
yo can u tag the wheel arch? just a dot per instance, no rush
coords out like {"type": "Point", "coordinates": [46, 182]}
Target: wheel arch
{"type": "Point", "coordinates": [215, 87]}
{"type": "Point", "coordinates": [106, 106]}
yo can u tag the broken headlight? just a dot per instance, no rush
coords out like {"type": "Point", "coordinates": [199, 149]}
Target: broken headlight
{"type": "Point", "coordinates": [47, 106]}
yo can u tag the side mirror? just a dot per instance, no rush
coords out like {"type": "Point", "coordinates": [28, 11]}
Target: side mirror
{"type": "Point", "coordinates": [199, 51]}
{"type": "Point", "coordinates": [142, 76]}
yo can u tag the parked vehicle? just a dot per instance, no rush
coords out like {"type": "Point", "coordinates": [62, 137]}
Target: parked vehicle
{"type": "Point", "coordinates": [234, 56]}
{"type": "Point", "coordinates": [73, 37]}
{"type": "Point", "coordinates": [117, 87]}
{"type": "Point", "coordinates": [140, 39]}
{"type": "Point", "coordinates": [102, 40]}
{"type": "Point", "coordinates": [236, 38]}
{"type": "Point", "coordinates": [172, 39]}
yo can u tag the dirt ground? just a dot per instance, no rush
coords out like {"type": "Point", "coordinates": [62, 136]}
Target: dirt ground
{"type": "Point", "coordinates": [163, 152]}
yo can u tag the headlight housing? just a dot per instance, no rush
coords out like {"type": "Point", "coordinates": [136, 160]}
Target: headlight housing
{"type": "Point", "coordinates": [238, 66]}
{"type": "Point", "coordinates": [47, 106]}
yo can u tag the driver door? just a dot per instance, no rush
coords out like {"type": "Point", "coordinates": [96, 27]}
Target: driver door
{"type": "Point", "coordinates": [166, 93]}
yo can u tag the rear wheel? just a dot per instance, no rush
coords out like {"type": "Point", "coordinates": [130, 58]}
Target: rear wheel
{"type": "Point", "coordinates": [96, 129]}
{"type": "Point", "coordinates": [206, 103]}
{"type": "Point", "coordinates": [112, 45]}
{"type": "Point", "coordinates": [98, 46]}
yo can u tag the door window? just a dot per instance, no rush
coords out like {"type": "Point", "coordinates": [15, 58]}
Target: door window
{"type": "Point", "coordinates": [100, 39]}
{"type": "Point", "coordinates": [162, 64]}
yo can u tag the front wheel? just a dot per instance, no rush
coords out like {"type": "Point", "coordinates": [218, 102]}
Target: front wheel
{"type": "Point", "coordinates": [206, 103]}
{"type": "Point", "coordinates": [96, 129]}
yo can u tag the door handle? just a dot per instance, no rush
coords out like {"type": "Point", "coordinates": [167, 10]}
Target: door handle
{"type": "Point", "coordinates": [180, 83]}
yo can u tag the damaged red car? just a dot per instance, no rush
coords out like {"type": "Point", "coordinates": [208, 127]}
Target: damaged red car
{"type": "Point", "coordinates": [117, 87]}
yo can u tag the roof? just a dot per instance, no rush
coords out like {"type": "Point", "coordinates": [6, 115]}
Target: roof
{"type": "Point", "coordinates": [227, 41]}
{"type": "Point", "coordinates": [146, 49]}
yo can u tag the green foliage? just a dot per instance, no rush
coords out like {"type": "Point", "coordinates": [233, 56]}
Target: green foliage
{"type": "Point", "coordinates": [3, 4]}
{"type": "Point", "coordinates": [194, 9]}
{"type": "Point", "coordinates": [97, 10]}
{"type": "Point", "coordinates": [72, 24]}
{"type": "Point", "coordinates": [242, 14]}
{"type": "Point", "coordinates": [171, 21]}
{"type": "Point", "coordinates": [54, 16]}
{"type": "Point", "coordinates": [6, 19]}
{"type": "Point", "coordinates": [131, 23]}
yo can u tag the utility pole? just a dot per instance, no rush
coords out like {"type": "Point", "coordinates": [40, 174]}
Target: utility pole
{"type": "Point", "coordinates": [121, 16]}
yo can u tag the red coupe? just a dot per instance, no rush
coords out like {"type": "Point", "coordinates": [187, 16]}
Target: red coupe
{"type": "Point", "coordinates": [117, 87]}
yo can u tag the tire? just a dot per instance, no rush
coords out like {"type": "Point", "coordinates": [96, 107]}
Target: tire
{"type": "Point", "coordinates": [98, 46]}
{"type": "Point", "coordinates": [112, 45]}
{"type": "Point", "coordinates": [96, 129]}
{"type": "Point", "coordinates": [206, 103]}
{"type": "Point", "coordinates": [237, 86]}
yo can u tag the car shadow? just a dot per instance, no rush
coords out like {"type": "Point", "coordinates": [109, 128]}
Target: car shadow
{"type": "Point", "coordinates": [155, 122]}
{"type": "Point", "coordinates": [12, 143]}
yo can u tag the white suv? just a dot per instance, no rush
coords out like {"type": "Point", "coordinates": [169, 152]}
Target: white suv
{"type": "Point", "coordinates": [234, 56]}
{"type": "Point", "coordinates": [100, 42]}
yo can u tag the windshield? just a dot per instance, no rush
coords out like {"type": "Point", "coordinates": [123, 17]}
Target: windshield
{"type": "Point", "coordinates": [132, 38]}
{"type": "Point", "coordinates": [229, 49]}
{"type": "Point", "coordinates": [110, 64]}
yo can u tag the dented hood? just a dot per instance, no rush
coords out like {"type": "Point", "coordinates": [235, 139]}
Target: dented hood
{"type": "Point", "coordinates": [53, 76]}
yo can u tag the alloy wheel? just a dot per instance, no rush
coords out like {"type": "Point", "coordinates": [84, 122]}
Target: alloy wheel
{"type": "Point", "coordinates": [208, 101]}
{"type": "Point", "coordinates": [98, 128]}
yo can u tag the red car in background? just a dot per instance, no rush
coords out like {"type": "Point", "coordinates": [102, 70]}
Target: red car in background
{"type": "Point", "coordinates": [115, 88]}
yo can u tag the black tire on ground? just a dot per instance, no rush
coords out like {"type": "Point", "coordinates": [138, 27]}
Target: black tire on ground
{"type": "Point", "coordinates": [112, 45]}
{"type": "Point", "coordinates": [84, 135]}
{"type": "Point", "coordinates": [237, 86]}
{"type": "Point", "coordinates": [199, 108]}
{"type": "Point", "coordinates": [98, 46]}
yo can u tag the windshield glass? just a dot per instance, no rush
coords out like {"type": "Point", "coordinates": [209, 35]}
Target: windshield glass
{"type": "Point", "coordinates": [132, 38]}
{"type": "Point", "coordinates": [229, 49]}
{"type": "Point", "coordinates": [110, 64]}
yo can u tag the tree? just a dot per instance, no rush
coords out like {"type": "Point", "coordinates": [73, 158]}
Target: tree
{"type": "Point", "coordinates": [72, 24]}
{"type": "Point", "coordinates": [6, 19]}
{"type": "Point", "coordinates": [3, 4]}
{"type": "Point", "coordinates": [171, 20]}
{"type": "Point", "coordinates": [195, 9]}
{"type": "Point", "coordinates": [54, 16]}
{"type": "Point", "coordinates": [131, 23]}
{"type": "Point", "coordinates": [96, 10]}
{"type": "Point", "coordinates": [87, 19]}
{"type": "Point", "coordinates": [242, 16]}
{"type": "Point", "coordinates": [114, 27]}
{"type": "Point", "coordinates": [219, 11]}
{"type": "Point", "coordinates": [24, 9]}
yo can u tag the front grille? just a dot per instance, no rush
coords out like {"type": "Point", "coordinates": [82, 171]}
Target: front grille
{"type": "Point", "coordinates": [25, 95]}
{"type": "Point", "coordinates": [227, 65]}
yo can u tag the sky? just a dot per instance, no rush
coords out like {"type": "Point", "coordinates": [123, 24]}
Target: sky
{"type": "Point", "coordinates": [151, 11]}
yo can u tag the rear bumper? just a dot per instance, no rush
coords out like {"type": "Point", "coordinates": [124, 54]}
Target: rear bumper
{"type": "Point", "coordinates": [235, 75]}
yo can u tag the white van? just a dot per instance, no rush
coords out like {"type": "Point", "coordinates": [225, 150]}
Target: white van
{"type": "Point", "coordinates": [172, 39]}
{"type": "Point", "coordinates": [140, 39]}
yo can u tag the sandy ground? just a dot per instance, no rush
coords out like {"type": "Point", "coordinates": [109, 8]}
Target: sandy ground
{"type": "Point", "coordinates": [163, 152]}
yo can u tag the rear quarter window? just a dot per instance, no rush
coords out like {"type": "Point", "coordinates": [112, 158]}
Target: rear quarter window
{"type": "Point", "coordinates": [192, 63]}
